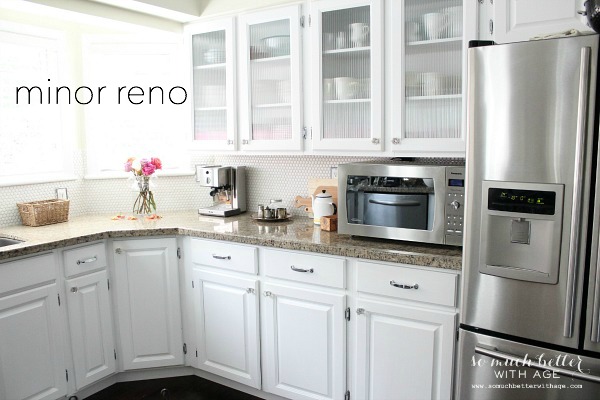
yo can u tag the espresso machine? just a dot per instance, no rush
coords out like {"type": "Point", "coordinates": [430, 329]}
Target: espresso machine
{"type": "Point", "coordinates": [228, 189]}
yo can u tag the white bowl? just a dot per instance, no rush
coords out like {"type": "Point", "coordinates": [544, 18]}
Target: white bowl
{"type": "Point", "coordinates": [277, 45]}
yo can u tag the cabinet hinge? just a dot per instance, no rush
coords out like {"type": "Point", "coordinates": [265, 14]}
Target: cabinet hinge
{"type": "Point", "coordinates": [67, 375]}
{"type": "Point", "coordinates": [302, 21]}
{"type": "Point", "coordinates": [311, 132]}
{"type": "Point", "coordinates": [108, 283]}
{"type": "Point", "coordinates": [184, 348]}
{"type": "Point", "coordinates": [115, 353]}
{"type": "Point", "coordinates": [347, 395]}
{"type": "Point", "coordinates": [304, 133]}
{"type": "Point", "coordinates": [58, 299]}
{"type": "Point", "coordinates": [347, 314]}
{"type": "Point", "coordinates": [192, 284]}
{"type": "Point", "coordinates": [179, 252]}
{"type": "Point", "coordinates": [196, 353]}
{"type": "Point", "coordinates": [309, 20]}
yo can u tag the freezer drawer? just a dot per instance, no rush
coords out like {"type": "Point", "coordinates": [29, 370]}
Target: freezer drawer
{"type": "Point", "coordinates": [490, 368]}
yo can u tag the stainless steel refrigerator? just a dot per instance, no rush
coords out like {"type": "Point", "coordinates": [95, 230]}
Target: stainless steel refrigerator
{"type": "Point", "coordinates": [530, 308]}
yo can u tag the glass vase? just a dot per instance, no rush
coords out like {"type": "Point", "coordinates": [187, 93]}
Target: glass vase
{"type": "Point", "coordinates": [144, 203]}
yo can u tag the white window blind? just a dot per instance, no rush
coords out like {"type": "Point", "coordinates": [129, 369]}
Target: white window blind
{"type": "Point", "coordinates": [34, 135]}
{"type": "Point", "coordinates": [142, 119]}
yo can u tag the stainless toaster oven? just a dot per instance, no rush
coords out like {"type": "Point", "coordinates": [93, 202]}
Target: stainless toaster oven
{"type": "Point", "coordinates": [401, 200]}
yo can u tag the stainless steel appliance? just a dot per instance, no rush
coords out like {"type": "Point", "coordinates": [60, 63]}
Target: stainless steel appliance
{"type": "Point", "coordinates": [394, 199]}
{"type": "Point", "coordinates": [530, 307]}
{"type": "Point", "coordinates": [228, 189]}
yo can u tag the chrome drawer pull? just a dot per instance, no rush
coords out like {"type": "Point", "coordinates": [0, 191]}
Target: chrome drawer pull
{"type": "Point", "coordinates": [87, 260]}
{"type": "Point", "coordinates": [221, 257]}
{"type": "Point", "coordinates": [310, 271]}
{"type": "Point", "coordinates": [401, 286]}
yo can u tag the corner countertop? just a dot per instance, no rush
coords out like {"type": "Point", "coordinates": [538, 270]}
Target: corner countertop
{"type": "Point", "coordinates": [298, 233]}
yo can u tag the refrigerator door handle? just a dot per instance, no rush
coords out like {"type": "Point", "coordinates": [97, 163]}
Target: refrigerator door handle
{"type": "Point", "coordinates": [582, 107]}
{"type": "Point", "coordinates": [595, 336]}
{"type": "Point", "coordinates": [516, 360]}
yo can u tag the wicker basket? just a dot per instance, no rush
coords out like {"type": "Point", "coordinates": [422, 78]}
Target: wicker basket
{"type": "Point", "coordinates": [44, 212]}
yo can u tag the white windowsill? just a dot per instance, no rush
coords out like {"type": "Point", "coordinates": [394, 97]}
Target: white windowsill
{"type": "Point", "coordinates": [36, 180]}
{"type": "Point", "coordinates": [125, 175]}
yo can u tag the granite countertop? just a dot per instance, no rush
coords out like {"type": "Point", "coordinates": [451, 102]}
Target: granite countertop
{"type": "Point", "coordinates": [298, 233]}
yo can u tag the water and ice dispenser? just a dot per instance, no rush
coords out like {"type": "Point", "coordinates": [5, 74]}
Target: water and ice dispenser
{"type": "Point", "coordinates": [521, 230]}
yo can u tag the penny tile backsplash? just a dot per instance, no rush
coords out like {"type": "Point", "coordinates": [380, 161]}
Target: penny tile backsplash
{"type": "Point", "coordinates": [268, 177]}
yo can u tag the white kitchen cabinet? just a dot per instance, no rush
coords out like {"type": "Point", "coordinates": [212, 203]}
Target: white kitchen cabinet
{"type": "Point", "coordinates": [148, 302]}
{"type": "Point", "coordinates": [91, 327]}
{"type": "Point", "coordinates": [427, 70]}
{"type": "Point", "coordinates": [404, 342]}
{"type": "Point", "coordinates": [212, 46]}
{"type": "Point", "coordinates": [227, 326]}
{"type": "Point", "coordinates": [270, 84]}
{"type": "Point", "coordinates": [516, 21]}
{"type": "Point", "coordinates": [303, 342]}
{"type": "Point", "coordinates": [347, 73]}
{"type": "Point", "coordinates": [32, 362]}
{"type": "Point", "coordinates": [403, 352]}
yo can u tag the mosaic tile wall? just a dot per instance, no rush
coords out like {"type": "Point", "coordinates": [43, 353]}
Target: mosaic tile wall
{"type": "Point", "coordinates": [269, 177]}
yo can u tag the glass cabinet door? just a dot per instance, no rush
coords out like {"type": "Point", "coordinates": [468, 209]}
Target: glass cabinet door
{"type": "Point", "coordinates": [213, 84]}
{"type": "Point", "coordinates": [428, 98]}
{"type": "Point", "coordinates": [348, 67]}
{"type": "Point", "coordinates": [270, 80]}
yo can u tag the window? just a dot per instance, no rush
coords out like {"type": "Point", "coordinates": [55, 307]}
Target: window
{"type": "Point", "coordinates": [35, 135]}
{"type": "Point", "coordinates": [143, 109]}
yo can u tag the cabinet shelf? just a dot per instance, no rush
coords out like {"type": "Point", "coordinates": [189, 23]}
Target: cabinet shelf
{"type": "Point", "coordinates": [210, 66]}
{"type": "Point", "coordinates": [349, 101]}
{"type": "Point", "coordinates": [270, 59]}
{"type": "Point", "coordinates": [436, 97]}
{"type": "Point", "coordinates": [272, 105]}
{"type": "Point", "coordinates": [435, 41]}
{"type": "Point", "coordinates": [210, 108]}
{"type": "Point", "coordinates": [349, 50]}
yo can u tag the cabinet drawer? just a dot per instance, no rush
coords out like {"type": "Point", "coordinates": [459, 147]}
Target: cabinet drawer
{"type": "Point", "coordinates": [84, 259]}
{"type": "Point", "coordinates": [27, 272]}
{"type": "Point", "coordinates": [224, 255]}
{"type": "Point", "coordinates": [308, 268]}
{"type": "Point", "coordinates": [407, 283]}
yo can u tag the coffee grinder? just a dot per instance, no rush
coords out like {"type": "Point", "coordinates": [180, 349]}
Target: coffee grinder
{"type": "Point", "coordinates": [228, 189]}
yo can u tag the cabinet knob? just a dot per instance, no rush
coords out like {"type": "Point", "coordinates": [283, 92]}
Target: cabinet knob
{"type": "Point", "coordinates": [360, 311]}
{"type": "Point", "coordinates": [395, 141]}
{"type": "Point", "coordinates": [375, 141]}
{"type": "Point", "coordinates": [268, 294]}
{"type": "Point", "coordinates": [250, 290]}
{"type": "Point", "coordinates": [74, 289]}
{"type": "Point", "coordinates": [118, 250]}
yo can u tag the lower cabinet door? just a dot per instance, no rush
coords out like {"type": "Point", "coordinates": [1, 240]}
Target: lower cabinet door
{"type": "Point", "coordinates": [148, 303]}
{"type": "Point", "coordinates": [32, 363]}
{"type": "Point", "coordinates": [304, 343]}
{"type": "Point", "coordinates": [403, 352]}
{"type": "Point", "coordinates": [91, 327]}
{"type": "Point", "coordinates": [227, 328]}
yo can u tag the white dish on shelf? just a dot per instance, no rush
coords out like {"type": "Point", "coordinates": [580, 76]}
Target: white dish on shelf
{"type": "Point", "coordinates": [278, 45]}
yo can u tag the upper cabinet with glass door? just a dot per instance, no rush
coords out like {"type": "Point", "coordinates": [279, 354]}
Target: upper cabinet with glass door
{"type": "Point", "coordinates": [270, 80]}
{"type": "Point", "coordinates": [427, 98]}
{"type": "Point", "coordinates": [213, 78]}
{"type": "Point", "coordinates": [347, 42]}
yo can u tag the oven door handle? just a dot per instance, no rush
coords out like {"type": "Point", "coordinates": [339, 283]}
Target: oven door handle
{"type": "Point", "coordinates": [516, 360]}
{"type": "Point", "coordinates": [407, 203]}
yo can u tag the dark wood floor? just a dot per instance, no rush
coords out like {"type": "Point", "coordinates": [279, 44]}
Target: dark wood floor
{"type": "Point", "coordinates": [180, 388]}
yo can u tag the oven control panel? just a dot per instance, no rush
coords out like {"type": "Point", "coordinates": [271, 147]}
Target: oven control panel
{"type": "Point", "coordinates": [454, 205]}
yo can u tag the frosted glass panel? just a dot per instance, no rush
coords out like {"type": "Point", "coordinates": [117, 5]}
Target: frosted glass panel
{"type": "Point", "coordinates": [270, 86]}
{"type": "Point", "coordinates": [433, 68]}
{"type": "Point", "coordinates": [346, 73]}
{"type": "Point", "coordinates": [210, 82]}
